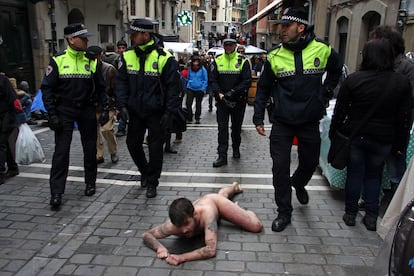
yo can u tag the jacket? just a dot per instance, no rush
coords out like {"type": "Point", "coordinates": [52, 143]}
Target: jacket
{"type": "Point", "coordinates": [73, 79]}
{"type": "Point", "coordinates": [231, 74]}
{"type": "Point", "coordinates": [197, 80]}
{"type": "Point", "coordinates": [292, 78]}
{"type": "Point", "coordinates": [148, 80]}
{"type": "Point", "coordinates": [391, 121]}
{"type": "Point", "coordinates": [8, 99]}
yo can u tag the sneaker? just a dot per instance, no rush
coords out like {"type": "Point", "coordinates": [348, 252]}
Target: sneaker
{"type": "Point", "coordinates": [370, 223]}
{"type": "Point", "coordinates": [114, 157]}
{"type": "Point", "coordinates": [349, 219]}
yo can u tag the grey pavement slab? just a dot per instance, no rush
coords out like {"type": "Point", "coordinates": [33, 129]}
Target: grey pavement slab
{"type": "Point", "coordinates": [101, 235]}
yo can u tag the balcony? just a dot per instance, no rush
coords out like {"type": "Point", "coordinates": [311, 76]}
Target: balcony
{"type": "Point", "coordinates": [214, 4]}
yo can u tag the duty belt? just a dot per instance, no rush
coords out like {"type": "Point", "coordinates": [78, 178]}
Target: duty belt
{"type": "Point", "coordinates": [75, 104]}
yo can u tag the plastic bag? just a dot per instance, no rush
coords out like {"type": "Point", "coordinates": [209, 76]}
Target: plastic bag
{"type": "Point", "coordinates": [28, 148]}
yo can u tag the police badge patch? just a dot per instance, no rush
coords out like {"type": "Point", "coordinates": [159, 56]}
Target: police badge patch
{"type": "Point", "coordinates": [317, 62]}
{"type": "Point", "coordinates": [49, 70]}
{"type": "Point", "coordinates": [155, 65]}
{"type": "Point", "coordinates": [87, 67]}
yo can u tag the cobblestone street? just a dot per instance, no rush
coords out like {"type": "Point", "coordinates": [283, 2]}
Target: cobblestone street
{"type": "Point", "coordinates": [101, 235]}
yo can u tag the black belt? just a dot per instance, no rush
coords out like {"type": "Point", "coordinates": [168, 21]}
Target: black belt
{"type": "Point", "coordinates": [75, 104]}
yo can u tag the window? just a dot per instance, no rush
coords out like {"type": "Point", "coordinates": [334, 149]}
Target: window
{"type": "Point", "coordinates": [107, 34]}
{"type": "Point", "coordinates": [214, 29]}
{"type": "Point", "coordinates": [213, 14]}
{"type": "Point", "coordinates": [132, 5]}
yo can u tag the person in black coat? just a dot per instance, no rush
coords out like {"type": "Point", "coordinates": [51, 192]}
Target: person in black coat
{"type": "Point", "coordinates": [7, 122]}
{"type": "Point", "coordinates": [387, 130]}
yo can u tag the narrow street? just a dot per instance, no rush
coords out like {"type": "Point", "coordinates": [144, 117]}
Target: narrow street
{"type": "Point", "coordinates": [101, 235]}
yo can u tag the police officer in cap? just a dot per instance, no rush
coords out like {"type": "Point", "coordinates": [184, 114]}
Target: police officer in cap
{"type": "Point", "coordinates": [230, 79]}
{"type": "Point", "coordinates": [147, 95]}
{"type": "Point", "coordinates": [72, 87]}
{"type": "Point", "coordinates": [292, 76]}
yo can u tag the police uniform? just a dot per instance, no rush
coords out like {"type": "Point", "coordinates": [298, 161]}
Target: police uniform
{"type": "Point", "coordinates": [292, 77]}
{"type": "Point", "coordinates": [231, 76]}
{"type": "Point", "coordinates": [147, 90]}
{"type": "Point", "coordinates": [72, 86]}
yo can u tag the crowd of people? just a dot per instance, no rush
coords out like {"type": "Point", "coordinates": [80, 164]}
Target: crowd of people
{"type": "Point", "coordinates": [144, 86]}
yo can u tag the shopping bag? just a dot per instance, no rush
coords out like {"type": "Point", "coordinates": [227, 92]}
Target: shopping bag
{"type": "Point", "coordinates": [338, 154]}
{"type": "Point", "coordinates": [28, 148]}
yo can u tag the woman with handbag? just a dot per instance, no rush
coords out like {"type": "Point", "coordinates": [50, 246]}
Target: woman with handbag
{"type": "Point", "coordinates": [373, 109]}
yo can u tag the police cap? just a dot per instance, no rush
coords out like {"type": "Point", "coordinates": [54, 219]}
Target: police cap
{"type": "Point", "coordinates": [141, 25]}
{"type": "Point", "coordinates": [76, 30]}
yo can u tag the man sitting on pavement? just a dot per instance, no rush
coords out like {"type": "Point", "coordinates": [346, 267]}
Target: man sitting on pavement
{"type": "Point", "coordinates": [190, 219]}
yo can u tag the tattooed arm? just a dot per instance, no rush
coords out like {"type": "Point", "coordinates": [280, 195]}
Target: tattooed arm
{"type": "Point", "coordinates": [159, 232]}
{"type": "Point", "coordinates": [208, 251]}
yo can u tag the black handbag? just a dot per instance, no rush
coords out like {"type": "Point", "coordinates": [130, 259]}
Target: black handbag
{"type": "Point", "coordinates": [339, 151]}
{"type": "Point", "coordinates": [179, 121]}
{"type": "Point", "coordinates": [338, 154]}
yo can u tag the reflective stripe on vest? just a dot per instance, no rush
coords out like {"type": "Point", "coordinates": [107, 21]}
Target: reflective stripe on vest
{"type": "Point", "coordinates": [153, 62]}
{"type": "Point", "coordinates": [314, 57]}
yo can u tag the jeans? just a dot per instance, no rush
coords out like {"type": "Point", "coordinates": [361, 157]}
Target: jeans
{"type": "Point", "coordinates": [366, 162]}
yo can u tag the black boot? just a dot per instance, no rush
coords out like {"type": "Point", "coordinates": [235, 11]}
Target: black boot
{"type": "Point", "coordinates": [55, 200]}
{"type": "Point", "coordinates": [90, 189]}
{"type": "Point", "coordinates": [221, 161]}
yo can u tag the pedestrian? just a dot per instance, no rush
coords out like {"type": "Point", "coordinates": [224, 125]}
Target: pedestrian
{"type": "Point", "coordinates": [230, 80]}
{"type": "Point", "coordinates": [121, 47]}
{"type": "Point", "coordinates": [72, 87]}
{"type": "Point", "coordinates": [196, 88]}
{"type": "Point", "coordinates": [292, 78]}
{"type": "Point", "coordinates": [386, 131]}
{"type": "Point", "coordinates": [189, 219]}
{"type": "Point", "coordinates": [8, 101]}
{"type": "Point", "coordinates": [105, 129]}
{"type": "Point", "coordinates": [110, 56]}
{"type": "Point", "coordinates": [396, 163]}
{"type": "Point", "coordinates": [147, 95]}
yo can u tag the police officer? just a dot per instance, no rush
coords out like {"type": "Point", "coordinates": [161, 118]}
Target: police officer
{"type": "Point", "coordinates": [230, 80]}
{"type": "Point", "coordinates": [72, 86]}
{"type": "Point", "coordinates": [148, 94]}
{"type": "Point", "coordinates": [292, 76]}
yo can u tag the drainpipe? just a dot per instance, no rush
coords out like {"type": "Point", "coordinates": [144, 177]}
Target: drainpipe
{"type": "Point", "coordinates": [53, 43]}
{"type": "Point", "coordinates": [328, 21]}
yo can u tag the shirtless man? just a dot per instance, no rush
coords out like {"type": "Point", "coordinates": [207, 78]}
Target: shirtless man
{"type": "Point", "coordinates": [190, 219]}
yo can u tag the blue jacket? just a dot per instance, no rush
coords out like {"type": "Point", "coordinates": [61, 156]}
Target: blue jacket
{"type": "Point", "coordinates": [197, 80]}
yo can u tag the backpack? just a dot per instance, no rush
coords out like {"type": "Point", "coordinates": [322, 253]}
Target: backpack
{"type": "Point", "coordinates": [402, 251]}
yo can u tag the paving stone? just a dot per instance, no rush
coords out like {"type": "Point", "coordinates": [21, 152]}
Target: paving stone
{"type": "Point", "coordinates": [81, 258]}
{"type": "Point", "coordinates": [109, 260]}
